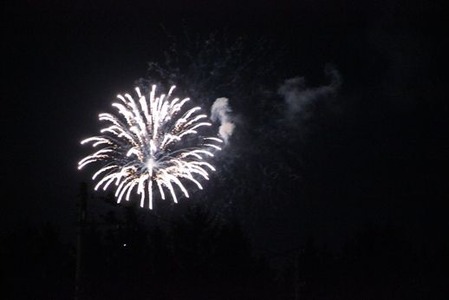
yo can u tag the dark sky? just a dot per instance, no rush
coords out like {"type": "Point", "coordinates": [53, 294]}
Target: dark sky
{"type": "Point", "coordinates": [385, 160]}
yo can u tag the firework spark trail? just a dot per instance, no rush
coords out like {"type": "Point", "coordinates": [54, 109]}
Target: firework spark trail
{"type": "Point", "coordinates": [144, 145]}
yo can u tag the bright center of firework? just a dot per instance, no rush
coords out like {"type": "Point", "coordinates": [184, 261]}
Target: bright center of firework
{"type": "Point", "coordinates": [151, 142]}
{"type": "Point", "coordinates": [150, 165]}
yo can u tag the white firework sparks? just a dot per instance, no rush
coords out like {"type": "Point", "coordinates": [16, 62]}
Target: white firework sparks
{"type": "Point", "coordinates": [150, 143]}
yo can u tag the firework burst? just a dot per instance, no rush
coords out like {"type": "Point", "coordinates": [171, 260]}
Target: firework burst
{"type": "Point", "coordinates": [151, 142]}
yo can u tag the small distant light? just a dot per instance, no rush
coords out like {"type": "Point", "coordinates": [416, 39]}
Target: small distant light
{"type": "Point", "coordinates": [124, 245]}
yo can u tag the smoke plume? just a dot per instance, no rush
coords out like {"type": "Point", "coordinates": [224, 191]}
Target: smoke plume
{"type": "Point", "coordinates": [298, 97]}
{"type": "Point", "coordinates": [220, 111]}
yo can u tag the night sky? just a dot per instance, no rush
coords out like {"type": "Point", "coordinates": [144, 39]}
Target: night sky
{"type": "Point", "coordinates": [373, 152]}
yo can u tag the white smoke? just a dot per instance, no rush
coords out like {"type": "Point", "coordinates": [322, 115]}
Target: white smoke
{"type": "Point", "coordinates": [220, 111]}
{"type": "Point", "coordinates": [299, 97]}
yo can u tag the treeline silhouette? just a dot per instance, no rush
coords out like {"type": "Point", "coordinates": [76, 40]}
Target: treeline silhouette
{"type": "Point", "coordinates": [200, 256]}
